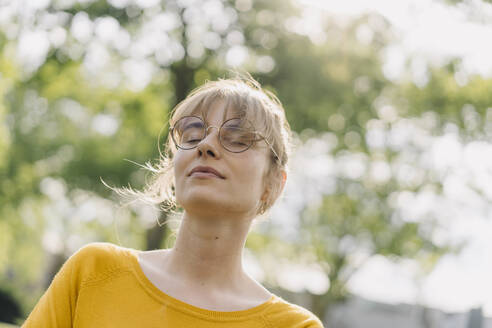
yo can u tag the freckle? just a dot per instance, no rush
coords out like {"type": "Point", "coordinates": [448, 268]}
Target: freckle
{"type": "Point", "coordinates": [216, 238]}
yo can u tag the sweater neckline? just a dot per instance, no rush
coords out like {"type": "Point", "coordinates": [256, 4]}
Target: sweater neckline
{"type": "Point", "coordinates": [181, 305]}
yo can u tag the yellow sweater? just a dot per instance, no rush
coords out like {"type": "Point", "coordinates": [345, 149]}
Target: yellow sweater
{"type": "Point", "coordinates": [103, 285]}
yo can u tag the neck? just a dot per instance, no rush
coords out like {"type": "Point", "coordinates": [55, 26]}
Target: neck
{"type": "Point", "coordinates": [208, 251]}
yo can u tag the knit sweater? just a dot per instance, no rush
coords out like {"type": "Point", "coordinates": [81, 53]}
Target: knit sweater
{"type": "Point", "coordinates": [103, 285]}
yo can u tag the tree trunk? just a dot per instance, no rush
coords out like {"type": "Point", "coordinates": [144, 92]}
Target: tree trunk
{"type": "Point", "coordinates": [157, 235]}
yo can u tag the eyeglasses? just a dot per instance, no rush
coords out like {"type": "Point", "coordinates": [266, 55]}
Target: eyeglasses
{"type": "Point", "coordinates": [235, 135]}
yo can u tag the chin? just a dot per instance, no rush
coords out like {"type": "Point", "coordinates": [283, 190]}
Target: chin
{"type": "Point", "coordinates": [202, 199]}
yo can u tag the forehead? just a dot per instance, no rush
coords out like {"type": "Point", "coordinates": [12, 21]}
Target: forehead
{"type": "Point", "coordinates": [216, 112]}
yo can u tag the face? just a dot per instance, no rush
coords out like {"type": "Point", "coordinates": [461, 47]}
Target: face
{"type": "Point", "coordinates": [238, 184]}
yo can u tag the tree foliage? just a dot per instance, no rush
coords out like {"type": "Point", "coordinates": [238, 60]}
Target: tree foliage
{"type": "Point", "coordinates": [71, 120]}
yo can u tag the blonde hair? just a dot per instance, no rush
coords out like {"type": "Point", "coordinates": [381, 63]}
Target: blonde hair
{"type": "Point", "coordinates": [248, 100]}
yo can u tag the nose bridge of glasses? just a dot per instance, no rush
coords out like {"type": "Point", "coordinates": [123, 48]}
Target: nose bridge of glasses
{"type": "Point", "coordinates": [211, 126]}
{"type": "Point", "coordinates": [206, 134]}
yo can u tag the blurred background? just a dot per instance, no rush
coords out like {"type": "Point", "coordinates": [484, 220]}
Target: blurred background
{"type": "Point", "coordinates": [387, 215]}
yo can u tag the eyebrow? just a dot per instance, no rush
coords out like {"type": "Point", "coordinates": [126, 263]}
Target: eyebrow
{"type": "Point", "coordinates": [193, 124]}
{"type": "Point", "coordinates": [233, 125]}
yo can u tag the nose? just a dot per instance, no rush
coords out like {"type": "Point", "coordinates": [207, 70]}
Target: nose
{"type": "Point", "coordinates": [209, 146]}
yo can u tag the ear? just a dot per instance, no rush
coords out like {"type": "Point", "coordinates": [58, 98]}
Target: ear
{"type": "Point", "coordinates": [284, 179]}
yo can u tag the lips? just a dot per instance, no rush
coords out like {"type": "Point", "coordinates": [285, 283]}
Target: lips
{"type": "Point", "coordinates": [206, 169]}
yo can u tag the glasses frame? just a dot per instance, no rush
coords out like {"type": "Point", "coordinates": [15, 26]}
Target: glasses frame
{"type": "Point", "coordinates": [207, 127]}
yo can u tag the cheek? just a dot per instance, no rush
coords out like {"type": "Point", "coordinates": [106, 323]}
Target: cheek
{"type": "Point", "coordinates": [179, 165]}
{"type": "Point", "coordinates": [257, 175]}
{"type": "Point", "coordinates": [179, 162]}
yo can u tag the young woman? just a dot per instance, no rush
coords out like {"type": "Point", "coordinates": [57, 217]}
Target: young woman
{"type": "Point", "coordinates": [225, 164]}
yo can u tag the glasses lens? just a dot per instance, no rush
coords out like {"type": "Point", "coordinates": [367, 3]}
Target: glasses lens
{"type": "Point", "coordinates": [188, 132]}
{"type": "Point", "coordinates": [236, 135]}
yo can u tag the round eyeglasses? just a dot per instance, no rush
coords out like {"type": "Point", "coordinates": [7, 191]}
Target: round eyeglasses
{"type": "Point", "coordinates": [235, 135]}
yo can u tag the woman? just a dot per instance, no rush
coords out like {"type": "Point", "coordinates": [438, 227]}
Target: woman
{"type": "Point", "coordinates": [225, 165]}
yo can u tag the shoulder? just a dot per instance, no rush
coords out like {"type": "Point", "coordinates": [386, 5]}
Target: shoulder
{"type": "Point", "coordinates": [286, 314]}
{"type": "Point", "coordinates": [100, 251]}
{"type": "Point", "coordinates": [98, 259]}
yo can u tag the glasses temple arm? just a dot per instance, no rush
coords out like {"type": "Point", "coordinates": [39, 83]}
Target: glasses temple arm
{"type": "Point", "coordinates": [269, 145]}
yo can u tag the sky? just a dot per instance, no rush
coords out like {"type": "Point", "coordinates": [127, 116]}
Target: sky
{"type": "Point", "coordinates": [429, 30]}
{"type": "Point", "coordinates": [431, 33]}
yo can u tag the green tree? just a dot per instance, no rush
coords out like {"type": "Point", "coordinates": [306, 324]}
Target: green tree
{"type": "Point", "coordinates": [97, 99]}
